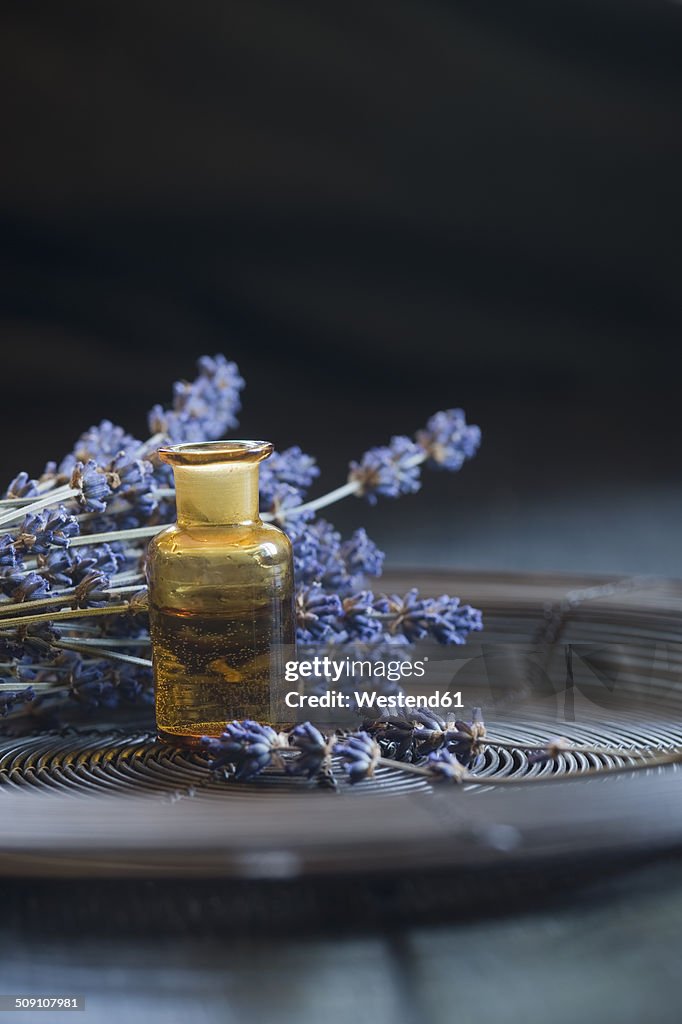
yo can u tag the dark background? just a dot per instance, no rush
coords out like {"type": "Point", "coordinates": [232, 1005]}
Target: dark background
{"type": "Point", "coordinates": [378, 210]}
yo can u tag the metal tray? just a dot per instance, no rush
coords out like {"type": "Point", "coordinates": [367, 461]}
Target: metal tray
{"type": "Point", "coordinates": [108, 803]}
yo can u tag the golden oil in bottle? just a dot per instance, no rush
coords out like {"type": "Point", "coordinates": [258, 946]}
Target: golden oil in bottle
{"type": "Point", "coordinates": [220, 595]}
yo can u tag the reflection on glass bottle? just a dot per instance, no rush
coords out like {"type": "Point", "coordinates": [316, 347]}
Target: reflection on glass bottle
{"type": "Point", "coordinates": [220, 595]}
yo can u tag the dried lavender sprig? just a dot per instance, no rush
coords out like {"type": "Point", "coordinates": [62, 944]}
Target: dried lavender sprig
{"type": "Point", "coordinates": [53, 498]}
{"type": "Point", "coordinates": [61, 598]}
{"type": "Point", "coordinates": [116, 608]}
{"type": "Point", "coordinates": [250, 748]}
{"type": "Point", "coordinates": [135, 533]}
{"type": "Point", "coordinates": [109, 641]}
{"type": "Point", "coordinates": [358, 484]}
{"type": "Point", "coordinates": [115, 582]}
{"type": "Point", "coordinates": [360, 754]}
{"type": "Point", "coordinates": [315, 750]}
{"type": "Point", "coordinates": [422, 731]}
{"type": "Point", "coordinates": [9, 698]}
{"type": "Point", "coordinates": [90, 484]}
{"type": "Point", "coordinates": [555, 748]}
{"type": "Point", "coordinates": [102, 652]}
{"type": "Point", "coordinates": [446, 442]}
{"type": "Point", "coordinates": [381, 471]}
{"type": "Point", "coordinates": [659, 761]}
{"type": "Point", "coordinates": [16, 502]}
{"type": "Point", "coordinates": [204, 408]}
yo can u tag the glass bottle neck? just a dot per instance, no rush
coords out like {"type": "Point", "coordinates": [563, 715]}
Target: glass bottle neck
{"type": "Point", "coordinates": [217, 494]}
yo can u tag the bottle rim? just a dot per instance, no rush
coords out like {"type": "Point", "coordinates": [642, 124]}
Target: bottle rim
{"type": "Point", "coordinates": [204, 453]}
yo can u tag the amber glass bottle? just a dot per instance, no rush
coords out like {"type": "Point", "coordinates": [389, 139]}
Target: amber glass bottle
{"type": "Point", "coordinates": [220, 595]}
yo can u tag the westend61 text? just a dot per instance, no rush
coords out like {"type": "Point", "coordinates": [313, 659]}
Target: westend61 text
{"type": "Point", "coordinates": [444, 701]}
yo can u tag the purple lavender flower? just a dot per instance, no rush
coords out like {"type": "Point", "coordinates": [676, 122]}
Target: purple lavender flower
{"type": "Point", "coordinates": [25, 586]}
{"type": "Point", "coordinates": [8, 551]}
{"type": "Point", "coordinates": [89, 680]}
{"type": "Point", "coordinates": [99, 444]}
{"type": "Point", "coordinates": [95, 692]}
{"type": "Point", "coordinates": [389, 471]}
{"type": "Point", "coordinates": [134, 684]}
{"type": "Point", "coordinates": [316, 552]}
{"type": "Point", "coordinates": [93, 484]}
{"type": "Point", "coordinates": [104, 557]}
{"type": "Point", "coordinates": [360, 754]}
{"type": "Point", "coordinates": [132, 476]}
{"type": "Point", "coordinates": [451, 621]}
{"type": "Point", "coordinates": [361, 556]}
{"type": "Point", "coordinates": [291, 468]}
{"type": "Point", "coordinates": [22, 487]}
{"type": "Point", "coordinates": [10, 698]}
{"type": "Point", "coordinates": [91, 592]}
{"type": "Point", "coordinates": [42, 530]}
{"type": "Point", "coordinates": [464, 741]}
{"type": "Point", "coordinates": [283, 502]}
{"type": "Point", "coordinates": [321, 557]}
{"type": "Point", "coordinates": [314, 750]}
{"type": "Point", "coordinates": [203, 409]}
{"type": "Point", "coordinates": [317, 614]}
{"type": "Point", "coordinates": [444, 766]}
{"type": "Point", "coordinates": [448, 440]}
{"type": "Point", "coordinates": [219, 383]}
{"type": "Point", "coordinates": [360, 616]}
{"type": "Point", "coordinates": [56, 566]}
{"type": "Point", "coordinates": [247, 746]}
{"type": "Point", "coordinates": [133, 481]}
{"type": "Point", "coordinates": [443, 617]}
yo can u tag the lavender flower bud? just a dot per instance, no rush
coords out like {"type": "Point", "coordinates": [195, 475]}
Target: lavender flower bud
{"type": "Point", "coordinates": [10, 698]}
{"type": "Point", "coordinates": [389, 471]}
{"type": "Point", "coordinates": [56, 566]}
{"type": "Point", "coordinates": [443, 617]}
{"type": "Point", "coordinates": [291, 468]}
{"type": "Point", "coordinates": [103, 557]}
{"type": "Point", "coordinates": [361, 556]}
{"type": "Point", "coordinates": [99, 444]}
{"type": "Point", "coordinates": [444, 766]}
{"type": "Point", "coordinates": [92, 482]}
{"type": "Point", "coordinates": [360, 616]}
{"type": "Point", "coordinates": [42, 530]}
{"type": "Point", "coordinates": [133, 481]}
{"type": "Point", "coordinates": [25, 586]}
{"type": "Point", "coordinates": [8, 551]}
{"type": "Point", "coordinates": [448, 440]}
{"type": "Point", "coordinates": [22, 487]}
{"type": "Point", "coordinates": [317, 553]}
{"type": "Point", "coordinates": [464, 741]}
{"type": "Point", "coordinates": [203, 409]}
{"type": "Point", "coordinates": [283, 501]}
{"type": "Point", "coordinates": [317, 613]}
{"type": "Point", "coordinates": [91, 592]}
{"type": "Point", "coordinates": [314, 748]}
{"type": "Point", "coordinates": [247, 746]}
{"type": "Point", "coordinates": [557, 746]}
{"type": "Point", "coordinates": [360, 754]}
